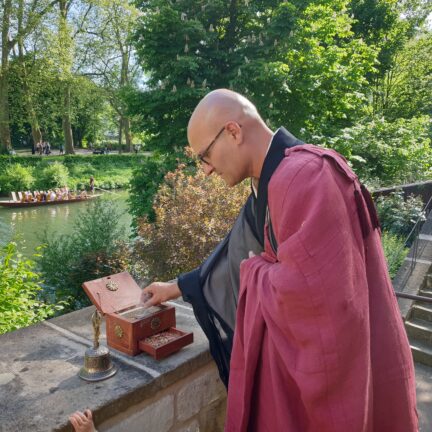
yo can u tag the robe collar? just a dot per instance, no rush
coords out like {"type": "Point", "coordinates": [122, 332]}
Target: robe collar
{"type": "Point", "coordinates": [282, 140]}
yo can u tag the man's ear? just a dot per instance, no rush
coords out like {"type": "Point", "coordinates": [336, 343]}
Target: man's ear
{"type": "Point", "coordinates": [234, 130]}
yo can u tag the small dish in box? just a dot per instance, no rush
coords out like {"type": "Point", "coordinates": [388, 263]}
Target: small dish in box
{"type": "Point", "coordinates": [165, 343]}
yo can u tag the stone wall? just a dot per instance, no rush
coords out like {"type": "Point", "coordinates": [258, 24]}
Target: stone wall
{"type": "Point", "coordinates": [40, 386]}
{"type": "Point", "coordinates": [195, 403]}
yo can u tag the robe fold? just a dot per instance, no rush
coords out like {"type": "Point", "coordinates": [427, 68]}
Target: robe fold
{"type": "Point", "coordinates": [319, 343]}
{"type": "Point", "coordinates": [212, 289]}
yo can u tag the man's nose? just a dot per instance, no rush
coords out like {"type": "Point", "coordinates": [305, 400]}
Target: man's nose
{"type": "Point", "coordinates": [207, 168]}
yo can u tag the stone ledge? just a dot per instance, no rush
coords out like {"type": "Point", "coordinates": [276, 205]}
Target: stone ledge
{"type": "Point", "coordinates": [39, 385]}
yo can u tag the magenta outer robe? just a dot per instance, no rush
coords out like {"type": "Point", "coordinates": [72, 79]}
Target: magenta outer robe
{"type": "Point", "coordinates": [319, 344]}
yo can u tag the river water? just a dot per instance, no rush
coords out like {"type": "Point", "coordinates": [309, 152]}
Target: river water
{"type": "Point", "coordinates": [28, 224]}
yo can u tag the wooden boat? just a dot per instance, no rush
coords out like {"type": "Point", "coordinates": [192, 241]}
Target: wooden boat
{"type": "Point", "coordinates": [42, 203]}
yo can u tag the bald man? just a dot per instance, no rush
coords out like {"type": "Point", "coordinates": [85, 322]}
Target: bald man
{"type": "Point", "coordinates": [317, 340]}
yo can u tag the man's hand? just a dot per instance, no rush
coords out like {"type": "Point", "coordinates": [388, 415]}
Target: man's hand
{"type": "Point", "coordinates": [159, 292]}
{"type": "Point", "coordinates": [251, 255]}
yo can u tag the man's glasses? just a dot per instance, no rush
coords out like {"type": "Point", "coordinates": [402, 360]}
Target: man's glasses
{"type": "Point", "coordinates": [204, 153]}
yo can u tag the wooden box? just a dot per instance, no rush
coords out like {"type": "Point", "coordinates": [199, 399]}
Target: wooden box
{"type": "Point", "coordinates": [165, 343]}
{"type": "Point", "coordinates": [127, 322]}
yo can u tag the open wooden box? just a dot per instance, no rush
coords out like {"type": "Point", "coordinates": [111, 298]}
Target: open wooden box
{"type": "Point", "coordinates": [127, 321]}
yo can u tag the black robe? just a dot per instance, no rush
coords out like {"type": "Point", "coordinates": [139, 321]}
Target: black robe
{"type": "Point", "coordinates": [212, 289]}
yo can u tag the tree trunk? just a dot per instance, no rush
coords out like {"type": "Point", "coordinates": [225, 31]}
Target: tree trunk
{"type": "Point", "coordinates": [35, 129]}
{"type": "Point", "coordinates": [120, 135]}
{"type": "Point", "coordinates": [5, 137]}
{"type": "Point", "coordinates": [28, 97]}
{"type": "Point", "coordinates": [67, 128]}
{"type": "Point", "coordinates": [66, 66]}
{"type": "Point", "coordinates": [128, 135]}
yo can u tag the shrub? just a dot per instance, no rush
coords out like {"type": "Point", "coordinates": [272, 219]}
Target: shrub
{"type": "Point", "coordinates": [394, 251]}
{"type": "Point", "coordinates": [16, 178]}
{"type": "Point", "coordinates": [20, 289]}
{"type": "Point", "coordinates": [54, 175]}
{"type": "Point", "coordinates": [144, 184]}
{"type": "Point", "coordinates": [397, 214]}
{"type": "Point", "coordinates": [193, 214]}
{"type": "Point", "coordinates": [95, 248]}
{"type": "Point", "coordinates": [386, 153]}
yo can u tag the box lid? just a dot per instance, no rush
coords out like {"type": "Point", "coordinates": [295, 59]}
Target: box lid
{"type": "Point", "coordinates": [113, 293]}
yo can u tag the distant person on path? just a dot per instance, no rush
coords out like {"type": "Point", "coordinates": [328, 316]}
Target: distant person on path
{"type": "Point", "coordinates": [92, 184]}
{"type": "Point", "coordinates": [61, 151]}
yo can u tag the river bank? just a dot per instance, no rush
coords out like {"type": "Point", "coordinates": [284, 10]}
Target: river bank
{"type": "Point", "coordinates": [112, 171]}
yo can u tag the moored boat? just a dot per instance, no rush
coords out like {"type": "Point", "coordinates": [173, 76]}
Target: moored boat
{"type": "Point", "coordinates": [41, 203]}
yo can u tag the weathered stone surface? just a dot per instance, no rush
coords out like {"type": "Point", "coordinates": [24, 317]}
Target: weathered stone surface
{"type": "Point", "coordinates": [159, 416]}
{"type": "Point", "coordinates": [198, 393]}
{"type": "Point", "coordinates": [424, 396]}
{"type": "Point", "coordinates": [191, 427]}
{"type": "Point", "coordinates": [44, 360]}
{"type": "Point", "coordinates": [212, 417]}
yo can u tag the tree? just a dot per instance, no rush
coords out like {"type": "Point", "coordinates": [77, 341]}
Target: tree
{"type": "Point", "coordinates": [111, 63]}
{"type": "Point", "coordinates": [387, 25]}
{"type": "Point", "coordinates": [31, 115]}
{"type": "Point", "coordinates": [298, 61]}
{"type": "Point", "coordinates": [65, 64]}
{"type": "Point", "coordinates": [29, 17]}
{"type": "Point", "coordinates": [409, 86]}
{"type": "Point", "coordinates": [5, 141]}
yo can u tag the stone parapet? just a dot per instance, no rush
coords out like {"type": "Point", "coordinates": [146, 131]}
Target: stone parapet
{"type": "Point", "coordinates": [39, 385]}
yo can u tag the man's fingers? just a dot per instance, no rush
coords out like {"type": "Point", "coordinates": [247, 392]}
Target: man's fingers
{"type": "Point", "coordinates": [148, 289]}
{"type": "Point", "coordinates": [152, 302]}
{"type": "Point", "coordinates": [88, 414]}
{"type": "Point", "coordinates": [146, 296]}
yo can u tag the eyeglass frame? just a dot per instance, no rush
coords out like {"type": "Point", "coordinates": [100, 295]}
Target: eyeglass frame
{"type": "Point", "coordinates": [203, 154]}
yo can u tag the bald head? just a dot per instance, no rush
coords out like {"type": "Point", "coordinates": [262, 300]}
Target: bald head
{"type": "Point", "coordinates": [221, 106]}
{"type": "Point", "coordinates": [243, 136]}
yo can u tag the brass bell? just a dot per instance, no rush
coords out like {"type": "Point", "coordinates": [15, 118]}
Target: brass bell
{"type": "Point", "coordinates": [97, 361]}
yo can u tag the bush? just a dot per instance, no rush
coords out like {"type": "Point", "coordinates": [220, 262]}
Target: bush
{"type": "Point", "coordinates": [109, 171]}
{"type": "Point", "coordinates": [394, 251]}
{"type": "Point", "coordinates": [193, 214]}
{"type": "Point", "coordinates": [16, 178]}
{"type": "Point", "coordinates": [387, 153]}
{"type": "Point", "coordinates": [53, 176]}
{"type": "Point", "coordinates": [20, 289]}
{"type": "Point", "coordinates": [96, 248]}
{"type": "Point", "coordinates": [144, 184]}
{"type": "Point", "coordinates": [397, 214]}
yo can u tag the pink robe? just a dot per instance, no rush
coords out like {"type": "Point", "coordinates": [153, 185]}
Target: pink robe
{"type": "Point", "coordinates": [319, 343]}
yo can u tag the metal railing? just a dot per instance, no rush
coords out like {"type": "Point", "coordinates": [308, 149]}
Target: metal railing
{"type": "Point", "coordinates": [416, 250]}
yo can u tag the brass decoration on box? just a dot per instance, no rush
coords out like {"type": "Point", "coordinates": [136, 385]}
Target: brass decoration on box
{"type": "Point", "coordinates": [97, 360]}
{"type": "Point", "coordinates": [112, 286]}
{"type": "Point", "coordinates": [155, 323]}
{"type": "Point", "coordinates": [118, 331]}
